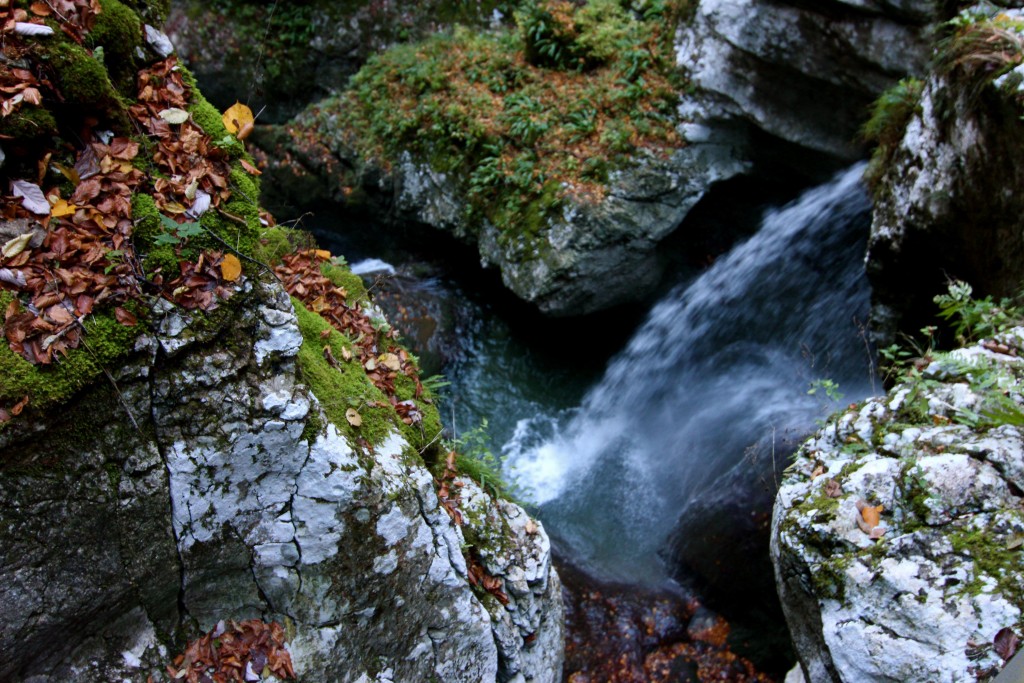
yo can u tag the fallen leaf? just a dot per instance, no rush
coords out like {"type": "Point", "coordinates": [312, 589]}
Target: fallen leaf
{"type": "Point", "coordinates": [19, 406]}
{"type": "Point", "coordinates": [15, 278]}
{"type": "Point", "coordinates": [833, 489]}
{"type": "Point", "coordinates": [249, 168]}
{"type": "Point", "coordinates": [33, 198]}
{"type": "Point", "coordinates": [40, 8]}
{"type": "Point", "coordinates": [61, 208]}
{"type": "Point", "coordinates": [200, 206]}
{"type": "Point", "coordinates": [370, 365]}
{"type": "Point", "coordinates": [125, 317]}
{"type": "Point", "coordinates": [346, 354]}
{"type": "Point", "coordinates": [876, 533]}
{"type": "Point", "coordinates": [1005, 643]}
{"type": "Point", "coordinates": [872, 515]}
{"type": "Point", "coordinates": [26, 29]}
{"type": "Point", "coordinates": [174, 115]}
{"type": "Point", "coordinates": [1012, 543]}
{"type": "Point", "coordinates": [236, 117]}
{"type": "Point", "coordinates": [818, 471]}
{"type": "Point", "coordinates": [353, 417]}
{"type": "Point", "coordinates": [391, 362]}
{"type": "Point", "coordinates": [17, 245]}
{"type": "Point", "coordinates": [531, 527]}
{"type": "Point", "coordinates": [230, 268]}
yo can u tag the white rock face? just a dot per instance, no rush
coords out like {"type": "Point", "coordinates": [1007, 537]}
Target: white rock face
{"type": "Point", "coordinates": [924, 602]}
{"type": "Point", "coordinates": [235, 511]}
{"type": "Point", "coordinates": [802, 73]}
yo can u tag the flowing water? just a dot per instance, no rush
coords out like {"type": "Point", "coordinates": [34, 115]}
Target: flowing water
{"type": "Point", "coordinates": [720, 363]}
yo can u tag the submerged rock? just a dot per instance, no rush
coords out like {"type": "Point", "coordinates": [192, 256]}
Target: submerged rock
{"type": "Point", "coordinates": [923, 591]}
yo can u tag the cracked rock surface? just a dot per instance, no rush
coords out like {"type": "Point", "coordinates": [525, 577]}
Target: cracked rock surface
{"type": "Point", "coordinates": [925, 601]}
{"type": "Point", "coordinates": [118, 541]}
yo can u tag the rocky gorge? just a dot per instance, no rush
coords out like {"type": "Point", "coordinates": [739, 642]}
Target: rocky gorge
{"type": "Point", "coordinates": [211, 435]}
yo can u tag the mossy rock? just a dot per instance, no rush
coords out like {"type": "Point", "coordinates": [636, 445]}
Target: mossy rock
{"type": "Point", "coordinates": [119, 32]}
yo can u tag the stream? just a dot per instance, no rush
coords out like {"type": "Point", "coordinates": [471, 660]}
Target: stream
{"type": "Point", "coordinates": [615, 427]}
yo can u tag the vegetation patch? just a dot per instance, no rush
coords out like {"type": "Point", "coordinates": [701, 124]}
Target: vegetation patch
{"type": "Point", "coordinates": [521, 118]}
{"type": "Point", "coordinates": [890, 115]}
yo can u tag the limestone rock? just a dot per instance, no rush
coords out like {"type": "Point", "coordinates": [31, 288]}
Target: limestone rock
{"type": "Point", "coordinates": [805, 74]}
{"type": "Point", "coordinates": [948, 205]}
{"type": "Point", "coordinates": [926, 600]}
{"type": "Point", "coordinates": [223, 505]}
{"type": "Point", "coordinates": [591, 257]}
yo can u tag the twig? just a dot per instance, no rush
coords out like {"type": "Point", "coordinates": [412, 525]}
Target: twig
{"type": "Point", "coordinates": [431, 442]}
{"type": "Point", "coordinates": [227, 245]}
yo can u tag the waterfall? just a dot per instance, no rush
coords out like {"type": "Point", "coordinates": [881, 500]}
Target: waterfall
{"type": "Point", "coordinates": [720, 363]}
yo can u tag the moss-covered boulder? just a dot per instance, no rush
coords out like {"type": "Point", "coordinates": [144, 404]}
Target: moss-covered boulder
{"type": "Point", "coordinates": [897, 530]}
{"type": "Point", "coordinates": [947, 200]}
{"type": "Point", "coordinates": [206, 427]}
{"type": "Point", "coordinates": [565, 174]}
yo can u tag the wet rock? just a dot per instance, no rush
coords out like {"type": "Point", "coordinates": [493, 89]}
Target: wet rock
{"type": "Point", "coordinates": [923, 596]}
{"type": "Point", "coordinates": [617, 633]}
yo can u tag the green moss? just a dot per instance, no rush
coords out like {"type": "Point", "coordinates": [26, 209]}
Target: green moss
{"type": "Point", "coordinates": [512, 133]}
{"type": "Point", "coordinates": [347, 280]}
{"type": "Point", "coordinates": [205, 114]}
{"type": "Point", "coordinates": [986, 546]}
{"type": "Point", "coordinates": [342, 387]}
{"type": "Point", "coordinates": [272, 243]}
{"type": "Point", "coordinates": [106, 342]}
{"type": "Point", "coordinates": [154, 12]}
{"type": "Point", "coordinates": [119, 31]}
{"type": "Point", "coordinates": [314, 427]}
{"type": "Point", "coordinates": [29, 123]}
{"type": "Point", "coordinates": [84, 84]}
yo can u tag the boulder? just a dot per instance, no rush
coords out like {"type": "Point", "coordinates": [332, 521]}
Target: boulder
{"type": "Point", "coordinates": [204, 483]}
{"type": "Point", "coordinates": [589, 257]}
{"type": "Point", "coordinates": [930, 590]}
{"type": "Point", "coordinates": [946, 199]}
{"type": "Point", "coordinates": [803, 73]}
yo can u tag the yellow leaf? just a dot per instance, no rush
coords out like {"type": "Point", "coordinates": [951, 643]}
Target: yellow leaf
{"type": "Point", "coordinates": [236, 117]}
{"type": "Point", "coordinates": [872, 515]}
{"type": "Point", "coordinates": [230, 267]}
{"type": "Point", "coordinates": [353, 417]}
{"type": "Point", "coordinates": [391, 362]}
{"type": "Point", "coordinates": [323, 253]}
{"type": "Point", "coordinates": [174, 207]}
{"type": "Point", "coordinates": [62, 208]}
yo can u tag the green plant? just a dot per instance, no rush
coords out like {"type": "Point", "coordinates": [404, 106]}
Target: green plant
{"type": "Point", "coordinates": [980, 49]}
{"type": "Point", "coordinates": [976, 319]}
{"type": "Point", "coordinates": [176, 233]}
{"type": "Point", "coordinates": [478, 462]}
{"type": "Point", "coordinates": [828, 387]}
{"type": "Point", "coordinates": [890, 115]}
